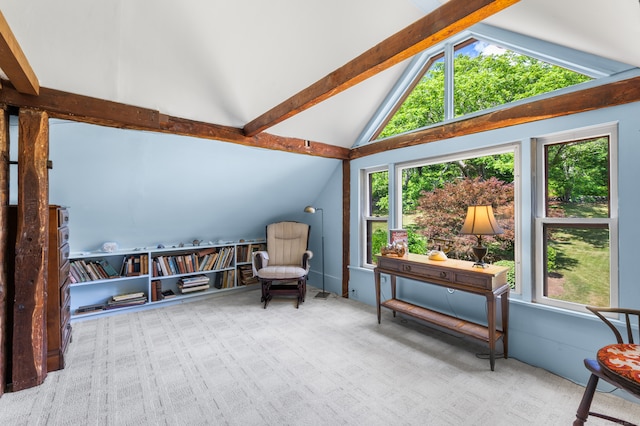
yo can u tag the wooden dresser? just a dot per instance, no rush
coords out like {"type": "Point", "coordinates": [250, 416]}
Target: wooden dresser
{"type": "Point", "coordinates": [58, 306]}
{"type": "Point", "coordinates": [58, 301]}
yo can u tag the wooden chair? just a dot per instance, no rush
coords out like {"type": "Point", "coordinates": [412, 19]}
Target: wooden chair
{"type": "Point", "coordinates": [283, 268]}
{"type": "Point", "coordinates": [617, 364]}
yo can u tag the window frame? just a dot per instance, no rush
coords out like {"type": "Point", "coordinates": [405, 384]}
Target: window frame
{"type": "Point", "coordinates": [365, 209]}
{"type": "Point", "coordinates": [541, 220]}
{"type": "Point", "coordinates": [394, 219]}
{"type": "Point", "coordinates": [514, 148]}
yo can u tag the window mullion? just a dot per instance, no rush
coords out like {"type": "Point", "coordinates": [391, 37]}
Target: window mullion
{"type": "Point", "coordinates": [449, 110]}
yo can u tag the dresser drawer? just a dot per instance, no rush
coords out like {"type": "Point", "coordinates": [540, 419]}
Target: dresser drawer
{"type": "Point", "coordinates": [65, 314]}
{"type": "Point", "coordinates": [66, 338]}
{"type": "Point", "coordinates": [64, 254]}
{"type": "Point", "coordinates": [63, 217]}
{"type": "Point", "coordinates": [65, 294]}
{"type": "Point", "coordinates": [63, 235]}
{"type": "Point", "coordinates": [63, 274]}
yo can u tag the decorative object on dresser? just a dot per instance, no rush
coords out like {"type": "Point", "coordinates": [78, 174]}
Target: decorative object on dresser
{"type": "Point", "coordinates": [490, 282]}
{"type": "Point", "coordinates": [480, 221]}
{"type": "Point", "coordinates": [310, 209]}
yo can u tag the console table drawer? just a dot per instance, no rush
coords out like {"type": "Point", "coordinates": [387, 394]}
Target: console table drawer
{"type": "Point", "coordinates": [485, 282]}
{"type": "Point", "coordinates": [412, 268]}
{"type": "Point", "coordinates": [426, 272]}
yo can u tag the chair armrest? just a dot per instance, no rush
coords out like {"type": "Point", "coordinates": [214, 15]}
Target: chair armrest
{"type": "Point", "coordinates": [305, 259]}
{"type": "Point", "coordinates": [259, 260]}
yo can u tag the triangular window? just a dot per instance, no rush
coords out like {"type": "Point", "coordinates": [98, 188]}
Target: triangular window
{"type": "Point", "coordinates": [484, 76]}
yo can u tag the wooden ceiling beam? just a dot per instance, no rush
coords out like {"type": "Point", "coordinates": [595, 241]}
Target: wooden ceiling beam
{"type": "Point", "coordinates": [617, 93]}
{"type": "Point", "coordinates": [69, 106]}
{"type": "Point", "coordinates": [447, 20]}
{"type": "Point", "coordinates": [14, 63]}
{"type": "Point", "coordinates": [264, 140]}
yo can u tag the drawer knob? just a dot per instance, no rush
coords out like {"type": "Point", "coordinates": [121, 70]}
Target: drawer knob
{"type": "Point", "coordinates": [406, 268]}
{"type": "Point", "coordinates": [443, 274]}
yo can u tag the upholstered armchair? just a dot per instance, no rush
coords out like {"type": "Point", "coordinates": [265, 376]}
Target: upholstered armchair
{"type": "Point", "coordinates": [283, 268]}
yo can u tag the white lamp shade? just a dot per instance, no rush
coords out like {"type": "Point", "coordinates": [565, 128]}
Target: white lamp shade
{"type": "Point", "coordinates": [480, 221]}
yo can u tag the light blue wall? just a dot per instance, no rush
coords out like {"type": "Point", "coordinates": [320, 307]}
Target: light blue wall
{"type": "Point", "coordinates": [550, 338]}
{"type": "Point", "coordinates": [141, 189]}
{"type": "Point", "coordinates": [330, 199]}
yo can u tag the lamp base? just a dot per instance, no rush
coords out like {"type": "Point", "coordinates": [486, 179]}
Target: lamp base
{"type": "Point", "coordinates": [480, 252]}
{"type": "Point", "coordinates": [322, 295]}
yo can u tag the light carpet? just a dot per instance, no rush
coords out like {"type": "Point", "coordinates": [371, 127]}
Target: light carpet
{"type": "Point", "coordinates": [227, 361]}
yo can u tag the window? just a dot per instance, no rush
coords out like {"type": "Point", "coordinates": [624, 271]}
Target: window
{"type": "Point", "coordinates": [576, 223]}
{"type": "Point", "coordinates": [435, 196]}
{"type": "Point", "coordinates": [376, 213]}
{"type": "Point", "coordinates": [482, 76]}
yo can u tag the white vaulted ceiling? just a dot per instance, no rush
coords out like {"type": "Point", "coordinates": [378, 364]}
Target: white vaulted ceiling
{"type": "Point", "coordinates": [227, 62]}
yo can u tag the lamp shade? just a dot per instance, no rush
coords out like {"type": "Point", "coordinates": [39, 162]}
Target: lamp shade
{"type": "Point", "coordinates": [480, 221]}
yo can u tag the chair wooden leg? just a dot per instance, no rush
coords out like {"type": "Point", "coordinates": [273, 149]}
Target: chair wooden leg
{"type": "Point", "coordinates": [585, 403]}
{"type": "Point", "coordinates": [266, 296]}
{"type": "Point", "coordinates": [304, 289]}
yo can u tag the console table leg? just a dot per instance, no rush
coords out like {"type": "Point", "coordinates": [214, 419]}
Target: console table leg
{"type": "Point", "coordinates": [505, 322]}
{"type": "Point", "coordinates": [491, 325]}
{"type": "Point", "coordinates": [393, 289]}
{"type": "Point", "coordinates": [376, 275]}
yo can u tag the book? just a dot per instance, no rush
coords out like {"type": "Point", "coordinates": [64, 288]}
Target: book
{"type": "Point", "coordinates": [168, 294]}
{"type": "Point", "coordinates": [218, 281]}
{"type": "Point", "coordinates": [128, 296]}
{"type": "Point", "coordinates": [194, 288]}
{"type": "Point", "coordinates": [156, 290]}
{"type": "Point", "coordinates": [90, 308]}
{"type": "Point", "coordinates": [399, 241]}
{"type": "Point", "coordinates": [108, 269]}
{"type": "Point", "coordinates": [398, 236]}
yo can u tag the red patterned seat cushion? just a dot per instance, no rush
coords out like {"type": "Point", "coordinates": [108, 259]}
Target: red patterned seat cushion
{"type": "Point", "coordinates": [621, 362]}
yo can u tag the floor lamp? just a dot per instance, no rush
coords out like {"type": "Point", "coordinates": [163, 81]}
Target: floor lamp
{"type": "Point", "coordinates": [311, 209]}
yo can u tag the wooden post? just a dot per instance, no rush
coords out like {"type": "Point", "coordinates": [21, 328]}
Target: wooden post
{"type": "Point", "coordinates": [4, 202]}
{"type": "Point", "coordinates": [29, 360]}
{"type": "Point", "coordinates": [346, 225]}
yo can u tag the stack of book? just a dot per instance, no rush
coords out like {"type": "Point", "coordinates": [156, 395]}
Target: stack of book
{"type": "Point", "coordinates": [246, 275]}
{"type": "Point", "coordinates": [194, 283]}
{"type": "Point", "coordinates": [128, 299]}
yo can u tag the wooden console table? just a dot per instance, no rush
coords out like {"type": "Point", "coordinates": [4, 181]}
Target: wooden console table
{"type": "Point", "coordinates": [455, 274]}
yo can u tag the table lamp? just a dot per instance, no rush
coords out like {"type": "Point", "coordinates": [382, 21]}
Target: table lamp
{"type": "Point", "coordinates": [480, 221]}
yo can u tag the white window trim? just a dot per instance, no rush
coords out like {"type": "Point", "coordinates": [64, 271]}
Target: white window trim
{"type": "Point", "coordinates": [365, 209]}
{"type": "Point", "coordinates": [591, 132]}
{"type": "Point", "coordinates": [515, 148]}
